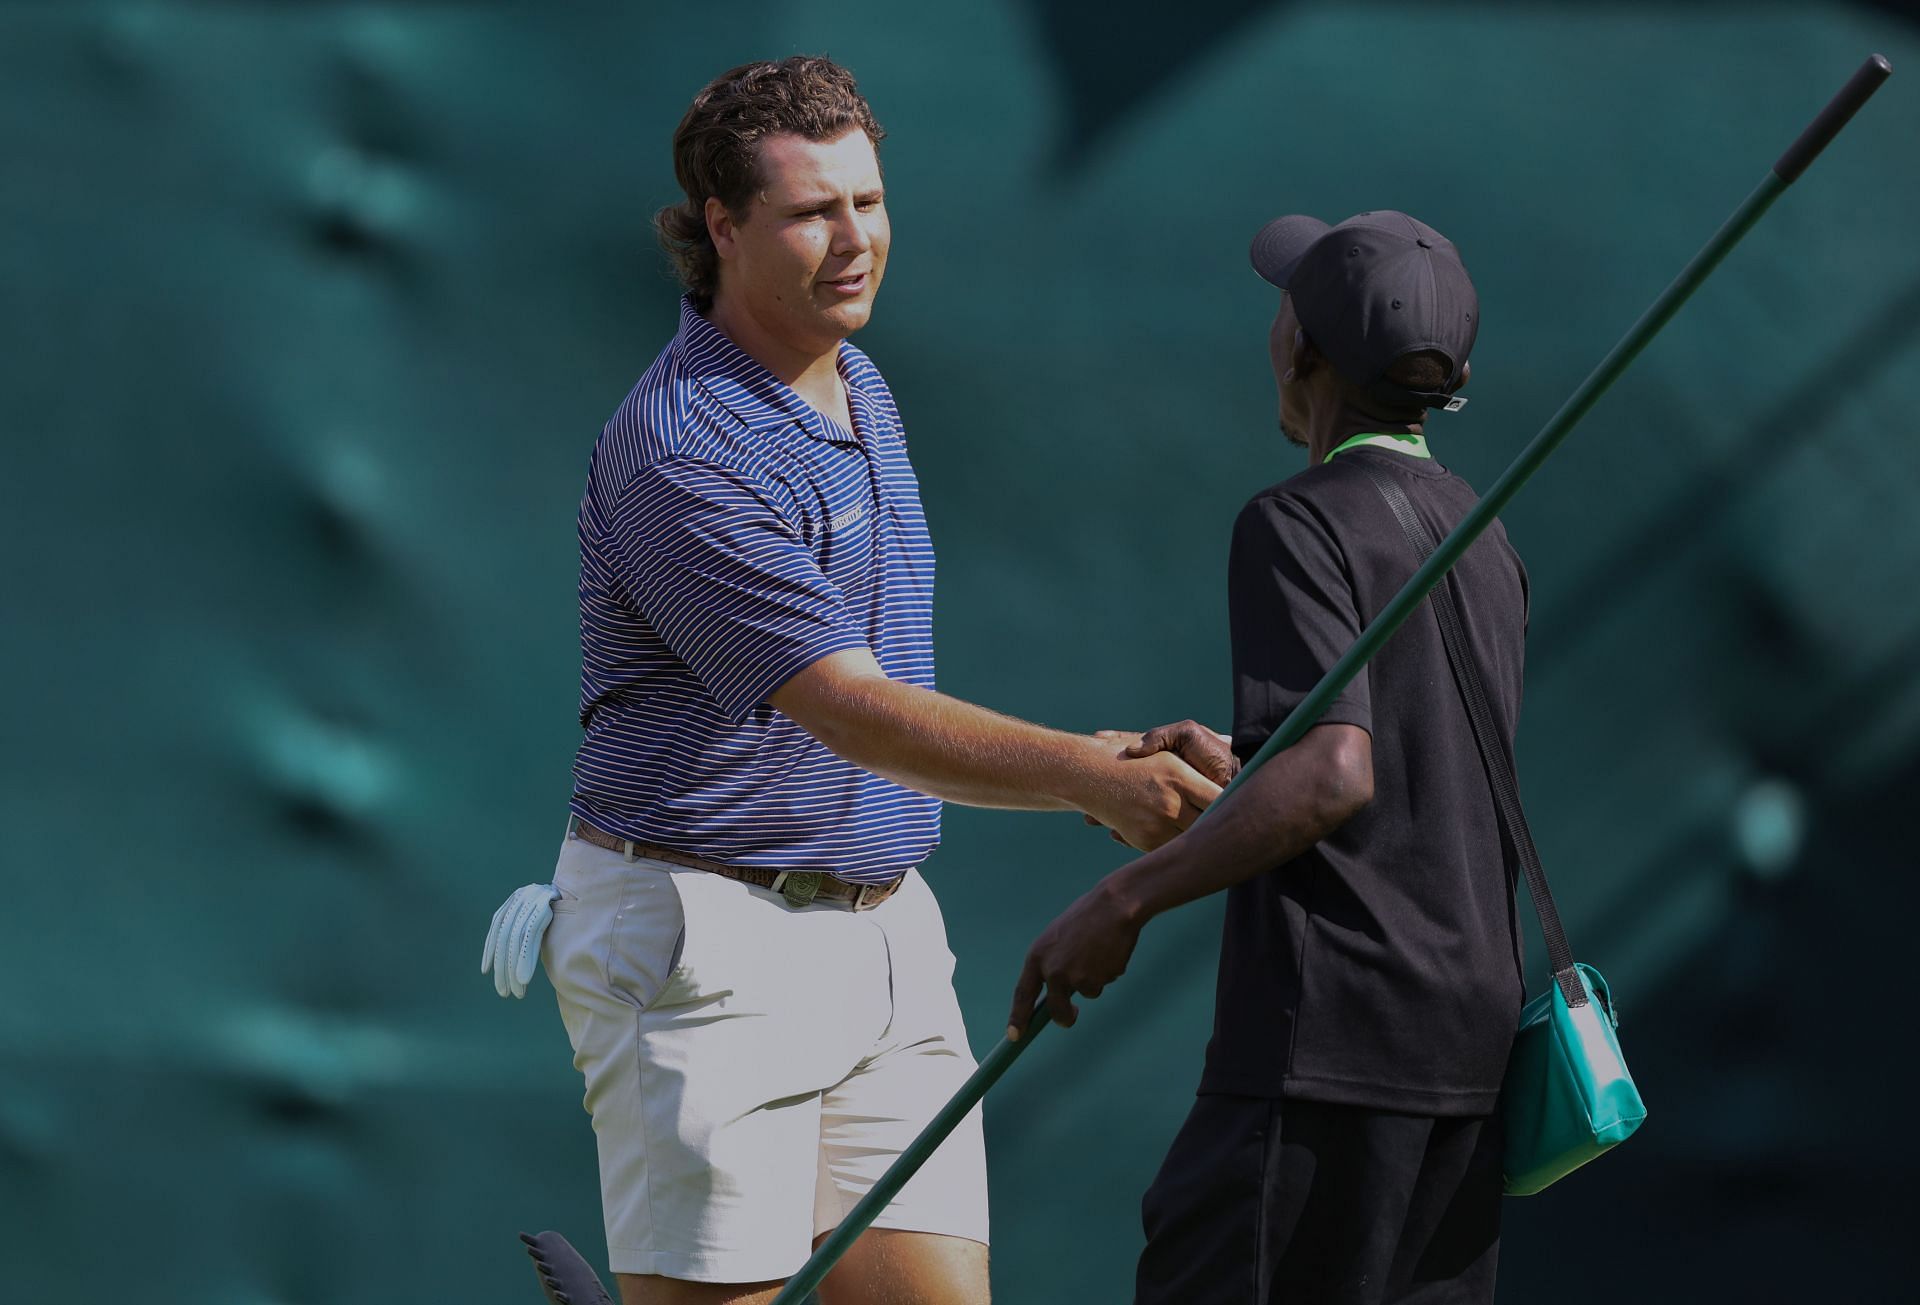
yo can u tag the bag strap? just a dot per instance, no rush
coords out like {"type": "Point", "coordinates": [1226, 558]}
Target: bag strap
{"type": "Point", "coordinates": [1494, 750]}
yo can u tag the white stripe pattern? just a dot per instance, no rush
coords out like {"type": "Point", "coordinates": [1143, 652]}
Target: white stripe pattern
{"type": "Point", "coordinates": [731, 535]}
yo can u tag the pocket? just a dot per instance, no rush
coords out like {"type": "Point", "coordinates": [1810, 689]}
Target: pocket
{"type": "Point", "coordinates": [928, 926]}
{"type": "Point", "coordinates": [646, 940]}
{"type": "Point", "coordinates": [567, 878]}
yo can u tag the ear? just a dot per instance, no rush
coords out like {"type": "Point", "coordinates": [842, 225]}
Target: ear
{"type": "Point", "coordinates": [1300, 361]}
{"type": "Point", "coordinates": [720, 227]}
{"type": "Point", "coordinates": [1466, 374]}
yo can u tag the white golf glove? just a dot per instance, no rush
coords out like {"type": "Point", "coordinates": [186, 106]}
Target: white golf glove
{"type": "Point", "coordinates": [513, 940]}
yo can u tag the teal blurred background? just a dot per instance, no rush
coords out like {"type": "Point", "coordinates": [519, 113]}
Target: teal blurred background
{"type": "Point", "coordinates": [309, 315]}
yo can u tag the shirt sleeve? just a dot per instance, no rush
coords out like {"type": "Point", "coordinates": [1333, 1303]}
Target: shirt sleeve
{"type": "Point", "coordinates": [1291, 608]}
{"type": "Point", "coordinates": [726, 580]}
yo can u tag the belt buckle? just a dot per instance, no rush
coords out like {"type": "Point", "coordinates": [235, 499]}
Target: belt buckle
{"type": "Point", "coordinates": [800, 888]}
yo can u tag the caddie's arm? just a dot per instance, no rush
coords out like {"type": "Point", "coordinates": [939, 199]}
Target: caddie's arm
{"type": "Point", "coordinates": [963, 753]}
{"type": "Point", "coordinates": [1292, 802]}
{"type": "Point", "coordinates": [1300, 796]}
{"type": "Point", "coordinates": [1292, 611]}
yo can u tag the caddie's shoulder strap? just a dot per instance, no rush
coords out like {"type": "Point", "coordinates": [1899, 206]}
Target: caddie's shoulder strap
{"type": "Point", "coordinates": [1494, 752]}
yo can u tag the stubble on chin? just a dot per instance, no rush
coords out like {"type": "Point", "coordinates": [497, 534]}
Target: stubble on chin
{"type": "Point", "coordinates": [1289, 436]}
{"type": "Point", "coordinates": [854, 317]}
{"type": "Point", "coordinates": [828, 320]}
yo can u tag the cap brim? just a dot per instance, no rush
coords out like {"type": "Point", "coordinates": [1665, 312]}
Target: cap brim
{"type": "Point", "coordinates": [1277, 248]}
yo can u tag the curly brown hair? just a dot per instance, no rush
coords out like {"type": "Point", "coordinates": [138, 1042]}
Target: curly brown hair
{"type": "Point", "coordinates": [716, 148]}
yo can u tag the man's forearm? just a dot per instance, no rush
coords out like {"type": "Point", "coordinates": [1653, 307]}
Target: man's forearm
{"type": "Point", "coordinates": [1292, 802]}
{"type": "Point", "coordinates": [958, 751]}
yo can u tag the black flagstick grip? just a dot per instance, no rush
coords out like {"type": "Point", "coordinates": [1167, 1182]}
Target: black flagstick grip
{"type": "Point", "coordinates": [1821, 131]}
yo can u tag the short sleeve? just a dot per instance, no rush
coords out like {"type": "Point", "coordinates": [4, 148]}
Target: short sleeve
{"type": "Point", "coordinates": [1291, 608]}
{"type": "Point", "coordinates": [725, 579]}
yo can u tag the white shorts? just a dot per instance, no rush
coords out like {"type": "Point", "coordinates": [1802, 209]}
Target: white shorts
{"type": "Point", "coordinates": [752, 1068]}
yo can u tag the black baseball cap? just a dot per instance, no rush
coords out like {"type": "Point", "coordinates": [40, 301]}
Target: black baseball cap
{"type": "Point", "coordinates": [1370, 291]}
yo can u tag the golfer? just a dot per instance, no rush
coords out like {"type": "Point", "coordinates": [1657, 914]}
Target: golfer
{"type": "Point", "coordinates": [1345, 1147]}
{"type": "Point", "coordinates": [754, 976]}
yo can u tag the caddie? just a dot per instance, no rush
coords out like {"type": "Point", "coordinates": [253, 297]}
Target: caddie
{"type": "Point", "coordinates": [1345, 1146]}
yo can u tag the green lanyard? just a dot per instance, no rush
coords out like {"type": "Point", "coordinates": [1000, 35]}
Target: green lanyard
{"type": "Point", "coordinates": [1410, 444]}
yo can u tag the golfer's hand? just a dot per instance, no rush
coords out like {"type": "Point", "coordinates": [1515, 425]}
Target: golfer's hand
{"type": "Point", "coordinates": [1121, 741]}
{"type": "Point", "coordinates": [1080, 953]}
{"type": "Point", "coordinates": [1207, 751]}
{"type": "Point", "coordinates": [513, 940]}
{"type": "Point", "coordinates": [1147, 801]}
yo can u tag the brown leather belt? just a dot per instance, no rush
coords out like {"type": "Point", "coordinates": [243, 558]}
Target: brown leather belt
{"type": "Point", "coordinates": [799, 887]}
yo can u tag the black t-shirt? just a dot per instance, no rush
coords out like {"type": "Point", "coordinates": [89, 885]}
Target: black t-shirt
{"type": "Point", "coordinates": [1382, 967]}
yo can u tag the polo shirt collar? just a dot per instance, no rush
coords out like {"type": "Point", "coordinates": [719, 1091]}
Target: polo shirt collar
{"type": "Point", "coordinates": [1414, 446]}
{"type": "Point", "coordinates": [745, 388]}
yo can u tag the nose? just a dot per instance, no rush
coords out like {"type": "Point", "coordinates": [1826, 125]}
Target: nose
{"type": "Point", "coordinates": [851, 237]}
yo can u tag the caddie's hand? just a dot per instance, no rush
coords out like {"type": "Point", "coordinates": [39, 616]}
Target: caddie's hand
{"type": "Point", "coordinates": [1207, 751]}
{"type": "Point", "coordinates": [1150, 800]}
{"type": "Point", "coordinates": [1080, 953]}
{"type": "Point", "coordinates": [513, 940]}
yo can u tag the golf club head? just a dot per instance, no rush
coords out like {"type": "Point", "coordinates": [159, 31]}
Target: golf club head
{"type": "Point", "coordinates": [565, 1275]}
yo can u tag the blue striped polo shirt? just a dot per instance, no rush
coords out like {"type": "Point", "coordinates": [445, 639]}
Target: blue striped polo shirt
{"type": "Point", "coordinates": [730, 536]}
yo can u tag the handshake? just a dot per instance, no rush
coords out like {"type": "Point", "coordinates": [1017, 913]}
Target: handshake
{"type": "Point", "coordinates": [1166, 778]}
{"type": "Point", "coordinates": [1145, 788]}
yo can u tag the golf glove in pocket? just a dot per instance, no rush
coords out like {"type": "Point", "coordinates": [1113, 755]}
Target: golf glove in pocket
{"type": "Point", "coordinates": [513, 940]}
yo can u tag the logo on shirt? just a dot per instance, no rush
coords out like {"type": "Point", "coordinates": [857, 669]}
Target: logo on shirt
{"type": "Point", "coordinates": [846, 516]}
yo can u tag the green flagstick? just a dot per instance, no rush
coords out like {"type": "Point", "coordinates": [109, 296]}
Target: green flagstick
{"type": "Point", "coordinates": [1819, 133]}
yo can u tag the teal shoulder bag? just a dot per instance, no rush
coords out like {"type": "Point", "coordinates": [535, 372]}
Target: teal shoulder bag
{"type": "Point", "coordinates": [1567, 1095]}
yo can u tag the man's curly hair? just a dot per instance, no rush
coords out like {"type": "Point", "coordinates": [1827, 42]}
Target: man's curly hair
{"type": "Point", "coordinates": [716, 148]}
